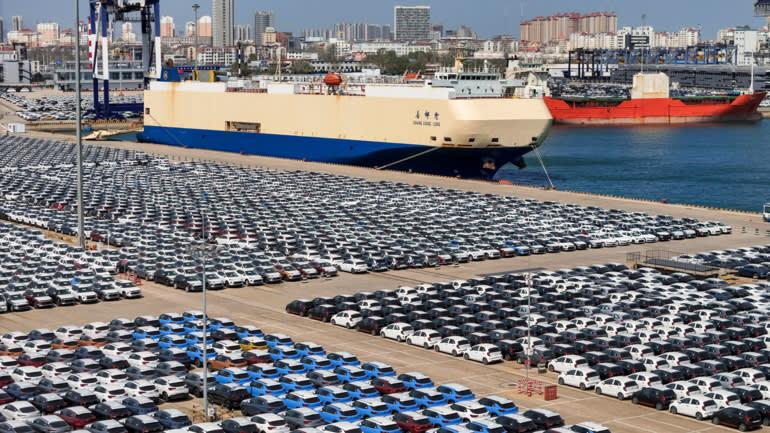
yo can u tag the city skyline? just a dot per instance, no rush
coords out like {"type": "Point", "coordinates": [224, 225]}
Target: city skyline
{"type": "Point", "coordinates": [498, 17]}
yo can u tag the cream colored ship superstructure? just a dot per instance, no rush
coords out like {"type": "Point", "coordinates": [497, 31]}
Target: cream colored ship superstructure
{"type": "Point", "coordinates": [457, 124]}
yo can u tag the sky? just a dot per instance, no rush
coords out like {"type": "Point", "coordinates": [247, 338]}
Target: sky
{"type": "Point", "coordinates": [486, 17]}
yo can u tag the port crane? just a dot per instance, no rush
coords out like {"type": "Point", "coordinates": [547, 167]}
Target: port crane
{"type": "Point", "coordinates": [103, 16]}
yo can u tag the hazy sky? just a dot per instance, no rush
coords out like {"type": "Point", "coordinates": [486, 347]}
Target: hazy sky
{"type": "Point", "coordinates": [487, 17]}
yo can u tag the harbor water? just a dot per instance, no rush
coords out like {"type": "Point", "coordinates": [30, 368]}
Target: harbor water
{"type": "Point", "coordinates": [719, 165]}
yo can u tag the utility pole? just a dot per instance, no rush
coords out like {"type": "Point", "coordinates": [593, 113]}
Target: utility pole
{"type": "Point", "coordinates": [78, 127]}
{"type": "Point", "coordinates": [195, 7]}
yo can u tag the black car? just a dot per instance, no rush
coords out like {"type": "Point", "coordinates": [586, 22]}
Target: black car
{"type": "Point", "coordinates": [300, 307]}
{"type": "Point", "coordinates": [544, 419]}
{"type": "Point", "coordinates": [371, 325]}
{"type": "Point", "coordinates": [142, 424]}
{"type": "Point", "coordinates": [658, 397]}
{"type": "Point", "coordinates": [741, 417]}
{"type": "Point", "coordinates": [747, 393]}
{"type": "Point", "coordinates": [228, 395]}
{"type": "Point", "coordinates": [764, 408]}
{"type": "Point", "coordinates": [48, 403]}
{"type": "Point", "coordinates": [516, 425]}
{"type": "Point", "coordinates": [510, 349]}
{"type": "Point", "coordinates": [630, 366]}
{"type": "Point", "coordinates": [111, 410]}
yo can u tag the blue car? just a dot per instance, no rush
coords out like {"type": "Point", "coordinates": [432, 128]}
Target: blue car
{"type": "Point", "coordinates": [442, 416]}
{"type": "Point", "coordinates": [194, 326]}
{"type": "Point", "coordinates": [339, 412]}
{"type": "Point", "coordinates": [308, 349]}
{"type": "Point", "coordinates": [343, 358]}
{"type": "Point", "coordinates": [428, 397]}
{"type": "Point", "coordinates": [349, 373]}
{"type": "Point", "coordinates": [192, 315]}
{"type": "Point", "coordinates": [265, 386]}
{"type": "Point", "coordinates": [315, 362]}
{"type": "Point", "coordinates": [233, 375]}
{"type": "Point", "coordinates": [296, 382]}
{"type": "Point", "coordinates": [283, 352]}
{"type": "Point", "coordinates": [172, 328]}
{"type": "Point", "coordinates": [371, 407]}
{"type": "Point", "coordinates": [289, 366]}
{"type": "Point", "coordinates": [415, 380]}
{"type": "Point", "coordinates": [140, 405]}
{"type": "Point", "coordinates": [297, 399]}
{"type": "Point", "coordinates": [360, 390]}
{"type": "Point", "coordinates": [377, 369]}
{"type": "Point", "coordinates": [455, 392]}
{"type": "Point", "coordinates": [333, 394]}
{"type": "Point", "coordinates": [499, 406]}
{"type": "Point", "coordinates": [262, 371]}
{"type": "Point", "coordinates": [273, 340]}
{"type": "Point", "coordinates": [196, 339]}
{"type": "Point", "coordinates": [379, 425]}
{"type": "Point", "coordinates": [195, 353]}
{"type": "Point", "coordinates": [171, 341]}
{"type": "Point", "coordinates": [400, 402]}
{"type": "Point", "coordinates": [220, 322]}
{"type": "Point", "coordinates": [248, 331]}
{"type": "Point", "coordinates": [22, 390]}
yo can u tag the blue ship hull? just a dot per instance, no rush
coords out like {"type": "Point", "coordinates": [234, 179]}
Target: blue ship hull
{"type": "Point", "coordinates": [462, 162]}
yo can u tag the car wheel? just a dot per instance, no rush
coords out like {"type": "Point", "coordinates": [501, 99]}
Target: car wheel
{"type": "Point", "coordinates": [425, 346]}
{"type": "Point", "coordinates": [634, 400]}
{"type": "Point", "coordinates": [766, 421]}
{"type": "Point", "coordinates": [699, 416]}
{"type": "Point", "coordinates": [373, 332]}
{"type": "Point", "coordinates": [435, 348]}
{"type": "Point", "coordinates": [659, 406]}
{"type": "Point", "coordinates": [164, 397]}
{"type": "Point", "coordinates": [598, 390]}
{"type": "Point", "coordinates": [582, 386]}
{"type": "Point", "coordinates": [466, 357]}
{"type": "Point", "coordinates": [485, 361]}
{"type": "Point", "coordinates": [454, 352]}
{"type": "Point", "coordinates": [742, 427]}
{"type": "Point", "coordinates": [347, 325]}
{"type": "Point", "coordinates": [621, 397]}
{"type": "Point", "coordinates": [673, 410]}
{"type": "Point", "coordinates": [561, 381]}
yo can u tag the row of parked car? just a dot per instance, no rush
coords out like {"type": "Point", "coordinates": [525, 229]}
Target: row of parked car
{"type": "Point", "coordinates": [111, 377]}
{"type": "Point", "coordinates": [302, 224]}
{"type": "Point", "coordinates": [627, 333]}
{"type": "Point", "coordinates": [36, 272]}
{"type": "Point", "coordinates": [62, 107]}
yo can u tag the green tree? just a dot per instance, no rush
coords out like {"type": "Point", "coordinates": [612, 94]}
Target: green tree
{"type": "Point", "coordinates": [302, 67]}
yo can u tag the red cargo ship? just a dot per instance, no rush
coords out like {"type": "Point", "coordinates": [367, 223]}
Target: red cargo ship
{"type": "Point", "coordinates": [650, 104]}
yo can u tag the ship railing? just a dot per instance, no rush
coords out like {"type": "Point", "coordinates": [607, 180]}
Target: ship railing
{"type": "Point", "coordinates": [245, 90]}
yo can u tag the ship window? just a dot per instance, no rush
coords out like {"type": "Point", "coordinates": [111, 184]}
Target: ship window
{"type": "Point", "coordinates": [447, 138]}
{"type": "Point", "coordinates": [471, 140]}
{"type": "Point", "coordinates": [433, 138]}
{"type": "Point", "coordinates": [147, 110]}
{"type": "Point", "coordinates": [244, 127]}
{"type": "Point", "coordinates": [495, 140]}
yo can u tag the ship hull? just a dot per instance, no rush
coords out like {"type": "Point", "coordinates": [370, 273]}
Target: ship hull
{"type": "Point", "coordinates": [445, 161]}
{"type": "Point", "coordinates": [655, 111]}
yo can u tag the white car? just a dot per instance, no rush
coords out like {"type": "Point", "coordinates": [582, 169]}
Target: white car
{"type": "Point", "coordinates": [684, 388]}
{"type": "Point", "coordinates": [698, 406]}
{"type": "Point", "coordinates": [270, 423]}
{"type": "Point", "coordinates": [454, 345]}
{"type": "Point", "coordinates": [26, 374]}
{"type": "Point", "coordinates": [583, 378]}
{"type": "Point", "coordinates": [143, 359]}
{"type": "Point", "coordinates": [639, 351]}
{"type": "Point", "coordinates": [484, 353]}
{"type": "Point", "coordinates": [19, 411]}
{"type": "Point", "coordinates": [620, 387]}
{"type": "Point", "coordinates": [111, 392]}
{"type": "Point", "coordinates": [348, 318]}
{"type": "Point", "coordinates": [116, 349]}
{"type": "Point", "coordinates": [750, 376]}
{"type": "Point", "coordinates": [425, 338]}
{"type": "Point", "coordinates": [171, 388]}
{"type": "Point", "coordinates": [653, 362]}
{"type": "Point", "coordinates": [111, 376]}
{"type": "Point", "coordinates": [398, 331]}
{"type": "Point", "coordinates": [567, 362]}
{"type": "Point", "coordinates": [470, 410]}
{"type": "Point", "coordinates": [706, 384]}
{"type": "Point", "coordinates": [724, 398]}
{"type": "Point", "coordinates": [353, 266]}
{"type": "Point", "coordinates": [141, 388]}
{"type": "Point", "coordinates": [645, 379]}
{"type": "Point", "coordinates": [55, 370]}
{"type": "Point", "coordinates": [226, 347]}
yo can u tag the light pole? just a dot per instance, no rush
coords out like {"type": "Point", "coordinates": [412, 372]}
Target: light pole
{"type": "Point", "coordinates": [203, 252]}
{"type": "Point", "coordinates": [528, 279]}
{"type": "Point", "coordinates": [195, 7]}
{"type": "Point", "coordinates": [78, 126]}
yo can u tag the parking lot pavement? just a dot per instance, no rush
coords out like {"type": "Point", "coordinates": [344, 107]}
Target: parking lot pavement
{"type": "Point", "coordinates": [263, 308]}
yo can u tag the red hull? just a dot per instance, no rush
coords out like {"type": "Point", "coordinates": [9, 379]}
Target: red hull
{"type": "Point", "coordinates": [655, 111]}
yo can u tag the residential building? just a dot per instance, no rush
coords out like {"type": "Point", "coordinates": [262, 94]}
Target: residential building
{"type": "Point", "coordinates": [558, 27]}
{"type": "Point", "coordinates": [217, 56]}
{"type": "Point", "coordinates": [17, 23]}
{"type": "Point", "coordinates": [127, 32]}
{"type": "Point", "coordinates": [262, 20]}
{"type": "Point", "coordinates": [411, 23]}
{"type": "Point", "coordinates": [167, 27]}
{"type": "Point", "coordinates": [204, 27]}
{"type": "Point", "coordinates": [222, 22]}
{"type": "Point", "coordinates": [746, 45]}
{"type": "Point", "coordinates": [47, 33]}
{"type": "Point", "coordinates": [243, 33]}
{"type": "Point", "coordinates": [189, 29]}
{"type": "Point", "coordinates": [400, 48]}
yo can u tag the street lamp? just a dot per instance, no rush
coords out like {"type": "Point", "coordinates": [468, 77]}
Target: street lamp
{"type": "Point", "coordinates": [78, 132]}
{"type": "Point", "coordinates": [195, 7]}
{"type": "Point", "coordinates": [528, 279]}
{"type": "Point", "coordinates": [203, 252]}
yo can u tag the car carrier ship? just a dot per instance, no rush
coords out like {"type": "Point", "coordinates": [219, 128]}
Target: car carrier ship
{"type": "Point", "coordinates": [651, 104]}
{"type": "Point", "coordinates": [458, 123]}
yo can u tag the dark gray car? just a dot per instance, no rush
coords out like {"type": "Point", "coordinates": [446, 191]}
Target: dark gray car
{"type": "Point", "coordinates": [302, 417]}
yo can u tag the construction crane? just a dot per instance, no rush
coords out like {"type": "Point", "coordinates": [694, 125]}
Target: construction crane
{"type": "Point", "coordinates": [103, 16]}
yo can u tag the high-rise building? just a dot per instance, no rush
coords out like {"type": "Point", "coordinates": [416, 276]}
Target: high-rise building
{"type": "Point", "coordinates": [17, 23]}
{"type": "Point", "coordinates": [2, 31]}
{"type": "Point", "coordinates": [204, 27]}
{"type": "Point", "coordinates": [559, 27]}
{"type": "Point", "coordinates": [127, 32]}
{"type": "Point", "coordinates": [167, 27]}
{"type": "Point", "coordinates": [48, 33]}
{"type": "Point", "coordinates": [262, 20]}
{"type": "Point", "coordinates": [243, 33]}
{"type": "Point", "coordinates": [189, 29]}
{"type": "Point", "coordinates": [411, 23]}
{"type": "Point", "coordinates": [222, 22]}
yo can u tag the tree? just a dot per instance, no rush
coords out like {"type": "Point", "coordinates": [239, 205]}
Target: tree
{"type": "Point", "coordinates": [302, 67]}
